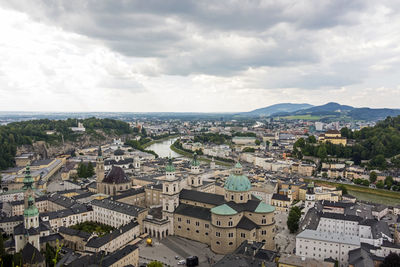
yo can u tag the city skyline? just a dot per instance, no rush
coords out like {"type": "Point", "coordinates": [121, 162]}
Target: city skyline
{"type": "Point", "coordinates": [169, 56]}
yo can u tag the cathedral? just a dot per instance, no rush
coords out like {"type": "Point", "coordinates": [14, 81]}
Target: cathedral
{"type": "Point", "coordinates": [191, 209]}
{"type": "Point", "coordinates": [116, 181]}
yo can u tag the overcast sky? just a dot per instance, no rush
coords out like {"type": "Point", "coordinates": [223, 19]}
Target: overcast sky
{"type": "Point", "coordinates": [203, 56]}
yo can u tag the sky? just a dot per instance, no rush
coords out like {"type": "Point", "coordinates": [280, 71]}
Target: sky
{"type": "Point", "coordinates": [197, 56]}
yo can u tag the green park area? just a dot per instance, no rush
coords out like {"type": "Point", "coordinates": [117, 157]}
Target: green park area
{"type": "Point", "coordinates": [364, 193]}
{"type": "Point", "coordinates": [93, 227]}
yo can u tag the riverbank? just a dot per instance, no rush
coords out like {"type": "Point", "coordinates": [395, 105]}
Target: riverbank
{"type": "Point", "coordinates": [365, 193]}
{"type": "Point", "coordinates": [189, 155]}
{"type": "Point", "coordinates": [160, 140]}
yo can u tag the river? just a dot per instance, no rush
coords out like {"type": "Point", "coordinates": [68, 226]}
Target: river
{"type": "Point", "coordinates": [163, 148]}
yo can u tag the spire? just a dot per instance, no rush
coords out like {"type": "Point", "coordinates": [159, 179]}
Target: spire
{"type": "Point", "coordinates": [28, 180]}
{"type": "Point", "coordinates": [99, 153]}
{"type": "Point", "coordinates": [195, 162]}
{"type": "Point", "coordinates": [170, 166]}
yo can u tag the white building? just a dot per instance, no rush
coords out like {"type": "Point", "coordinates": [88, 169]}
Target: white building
{"type": "Point", "coordinates": [322, 245]}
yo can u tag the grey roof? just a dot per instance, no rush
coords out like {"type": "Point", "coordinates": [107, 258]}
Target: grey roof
{"type": "Point", "coordinates": [202, 197]}
{"type": "Point", "coordinates": [72, 232]}
{"type": "Point", "coordinates": [117, 255]}
{"type": "Point", "coordinates": [41, 162]}
{"type": "Point", "coordinates": [246, 224]}
{"type": "Point", "coordinates": [360, 258]}
{"type": "Point", "coordinates": [52, 237]}
{"type": "Point", "coordinates": [338, 216]}
{"type": "Point", "coordinates": [250, 205]}
{"type": "Point", "coordinates": [128, 193]}
{"type": "Point", "coordinates": [249, 255]}
{"type": "Point", "coordinates": [31, 255]}
{"type": "Point", "coordinates": [61, 200]}
{"type": "Point", "coordinates": [280, 197]}
{"type": "Point", "coordinates": [17, 218]}
{"type": "Point", "coordinates": [97, 242]}
{"type": "Point", "coordinates": [118, 206]}
{"type": "Point", "coordinates": [329, 237]}
{"type": "Point", "coordinates": [194, 211]}
{"type": "Point", "coordinates": [117, 176]}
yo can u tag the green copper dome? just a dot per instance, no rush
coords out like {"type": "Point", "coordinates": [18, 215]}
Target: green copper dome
{"type": "Point", "coordinates": [264, 208]}
{"type": "Point", "coordinates": [238, 165]}
{"type": "Point", "coordinates": [237, 181]}
{"type": "Point", "coordinates": [223, 210]}
{"type": "Point", "coordinates": [32, 210]}
{"type": "Point", "coordinates": [170, 167]}
{"type": "Point", "coordinates": [195, 162]}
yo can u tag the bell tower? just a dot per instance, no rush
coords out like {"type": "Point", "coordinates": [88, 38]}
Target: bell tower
{"type": "Point", "coordinates": [99, 170]}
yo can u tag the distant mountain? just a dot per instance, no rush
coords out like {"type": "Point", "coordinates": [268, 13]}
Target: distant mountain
{"type": "Point", "coordinates": [334, 110]}
{"type": "Point", "coordinates": [277, 108]}
{"type": "Point", "coordinates": [329, 107]}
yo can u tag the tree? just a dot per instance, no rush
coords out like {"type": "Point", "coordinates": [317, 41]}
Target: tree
{"type": "Point", "coordinates": [391, 260]}
{"type": "Point", "coordinates": [155, 264]}
{"type": "Point", "coordinates": [343, 188]}
{"type": "Point", "coordinates": [324, 175]}
{"type": "Point", "coordinates": [90, 170]}
{"type": "Point", "coordinates": [380, 184]}
{"type": "Point", "coordinates": [257, 142]}
{"type": "Point", "coordinates": [293, 219]}
{"type": "Point", "coordinates": [322, 154]}
{"type": "Point", "coordinates": [372, 177]}
{"type": "Point", "coordinates": [311, 139]}
{"type": "Point", "coordinates": [2, 250]}
{"type": "Point", "coordinates": [389, 181]}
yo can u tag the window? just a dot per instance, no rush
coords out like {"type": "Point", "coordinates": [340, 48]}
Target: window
{"type": "Point", "coordinates": [206, 225]}
{"type": "Point", "coordinates": [218, 222]}
{"type": "Point", "coordinates": [218, 243]}
{"type": "Point", "coordinates": [230, 223]}
{"type": "Point", "coordinates": [230, 243]}
{"type": "Point", "coordinates": [232, 197]}
{"type": "Point", "coordinates": [188, 229]}
{"type": "Point", "coordinates": [264, 221]}
{"type": "Point", "coordinates": [241, 197]}
{"type": "Point", "coordinates": [197, 224]}
{"type": "Point", "coordinates": [264, 232]}
{"type": "Point", "coordinates": [188, 221]}
{"type": "Point", "coordinates": [197, 231]}
{"type": "Point", "coordinates": [179, 219]}
{"type": "Point", "coordinates": [179, 227]}
{"type": "Point", "coordinates": [206, 233]}
{"type": "Point", "coordinates": [166, 189]}
{"type": "Point", "coordinates": [218, 234]}
{"type": "Point", "coordinates": [230, 234]}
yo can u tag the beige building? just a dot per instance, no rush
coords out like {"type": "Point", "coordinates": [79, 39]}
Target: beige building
{"type": "Point", "coordinates": [334, 137]}
{"type": "Point", "coordinates": [225, 221]}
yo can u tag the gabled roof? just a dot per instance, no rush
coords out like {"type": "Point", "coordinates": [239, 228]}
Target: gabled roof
{"type": "Point", "coordinates": [193, 211]}
{"type": "Point", "coordinates": [117, 176]}
{"type": "Point", "coordinates": [246, 224]}
{"type": "Point", "coordinates": [30, 255]}
{"type": "Point", "coordinates": [202, 197]}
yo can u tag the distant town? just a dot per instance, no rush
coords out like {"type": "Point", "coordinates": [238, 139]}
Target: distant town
{"type": "Point", "coordinates": [246, 191]}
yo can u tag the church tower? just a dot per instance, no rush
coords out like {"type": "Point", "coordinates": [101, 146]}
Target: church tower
{"type": "Point", "coordinates": [195, 180]}
{"type": "Point", "coordinates": [99, 170]}
{"type": "Point", "coordinates": [170, 191]}
{"type": "Point", "coordinates": [136, 163]}
{"type": "Point", "coordinates": [28, 231]}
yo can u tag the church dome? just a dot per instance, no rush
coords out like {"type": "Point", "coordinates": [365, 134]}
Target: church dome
{"type": "Point", "coordinates": [237, 181]}
{"type": "Point", "coordinates": [117, 176]}
{"type": "Point", "coordinates": [31, 210]}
